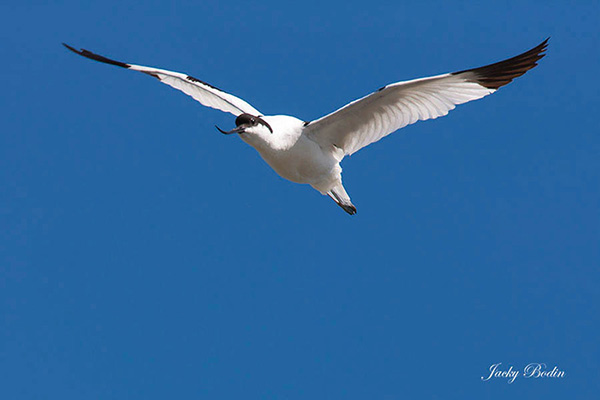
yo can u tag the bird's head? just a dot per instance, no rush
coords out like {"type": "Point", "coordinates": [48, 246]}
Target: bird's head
{"type": "Point", "coordinates": [247, 123]}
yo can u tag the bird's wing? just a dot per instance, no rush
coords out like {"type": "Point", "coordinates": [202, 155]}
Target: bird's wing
{"type": "Point", "coordinates": [394, 106]}
{"type": "Point", "coordinates": [206, 94]}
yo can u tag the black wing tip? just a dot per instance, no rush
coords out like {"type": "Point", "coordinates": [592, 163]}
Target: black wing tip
{"type": "Point", "coordinates": [69, 47]}
{"type": "Point", "coordinates": [496, 75]}
{"type": "Point", "coordinates": [96, 57]}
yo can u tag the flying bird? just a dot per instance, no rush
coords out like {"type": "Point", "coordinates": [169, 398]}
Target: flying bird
{"type": "Point", "coordinates": [311, 151]}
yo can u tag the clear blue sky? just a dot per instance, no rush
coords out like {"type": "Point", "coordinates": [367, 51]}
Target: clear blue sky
{"type": "Point", "coordinates": [143, 255]}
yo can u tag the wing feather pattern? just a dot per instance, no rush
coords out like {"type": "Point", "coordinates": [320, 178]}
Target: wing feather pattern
{"type": "Point", "coordinates": [394, 106]}
{"type": "Point", "coordinates": [203, 92]}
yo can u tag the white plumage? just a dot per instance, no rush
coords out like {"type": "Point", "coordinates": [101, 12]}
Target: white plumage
{"type": "Point", "coordinates": [310, 152]}
{"type": "Point", "coordinates": [394, 107]}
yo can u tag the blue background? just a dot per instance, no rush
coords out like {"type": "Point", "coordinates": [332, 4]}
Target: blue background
{"type": "Point", "coordinates": [143, 255]}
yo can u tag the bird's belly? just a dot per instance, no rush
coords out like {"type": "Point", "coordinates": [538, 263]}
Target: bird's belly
{"type": "Point", "coordinates": [304, 162]}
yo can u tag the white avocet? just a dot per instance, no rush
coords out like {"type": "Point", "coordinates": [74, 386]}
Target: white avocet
{"type": "Point", "coordinates": [310, 151]}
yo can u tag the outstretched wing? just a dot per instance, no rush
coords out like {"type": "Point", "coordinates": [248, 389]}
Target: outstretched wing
{"type": "Point", "coordinates": [394, 106]}
{"type": "Point", "coordinates": [206, 94]}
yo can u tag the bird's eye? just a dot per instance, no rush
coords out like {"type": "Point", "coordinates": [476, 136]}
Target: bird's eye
{"type": "Point", "coordinates": [253, 120]}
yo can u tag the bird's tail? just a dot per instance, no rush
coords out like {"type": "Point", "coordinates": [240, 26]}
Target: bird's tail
{"type": "Point", "coordinates": [339, 195]}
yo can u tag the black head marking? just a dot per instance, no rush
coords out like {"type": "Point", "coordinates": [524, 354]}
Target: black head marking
{"type": "Point", "coordinates": [245, 119]}
{"type": "Point", "coordinates": [251, 120]}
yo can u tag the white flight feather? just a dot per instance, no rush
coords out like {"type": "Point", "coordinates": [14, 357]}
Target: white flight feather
{"type": "Point", "coordinates": [375, 116]}
{"type": "Point", "coordinates": [205, 94]}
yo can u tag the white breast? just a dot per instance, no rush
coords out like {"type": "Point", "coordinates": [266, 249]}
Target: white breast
{"type": "Point", "coordinates": [290, 153]}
